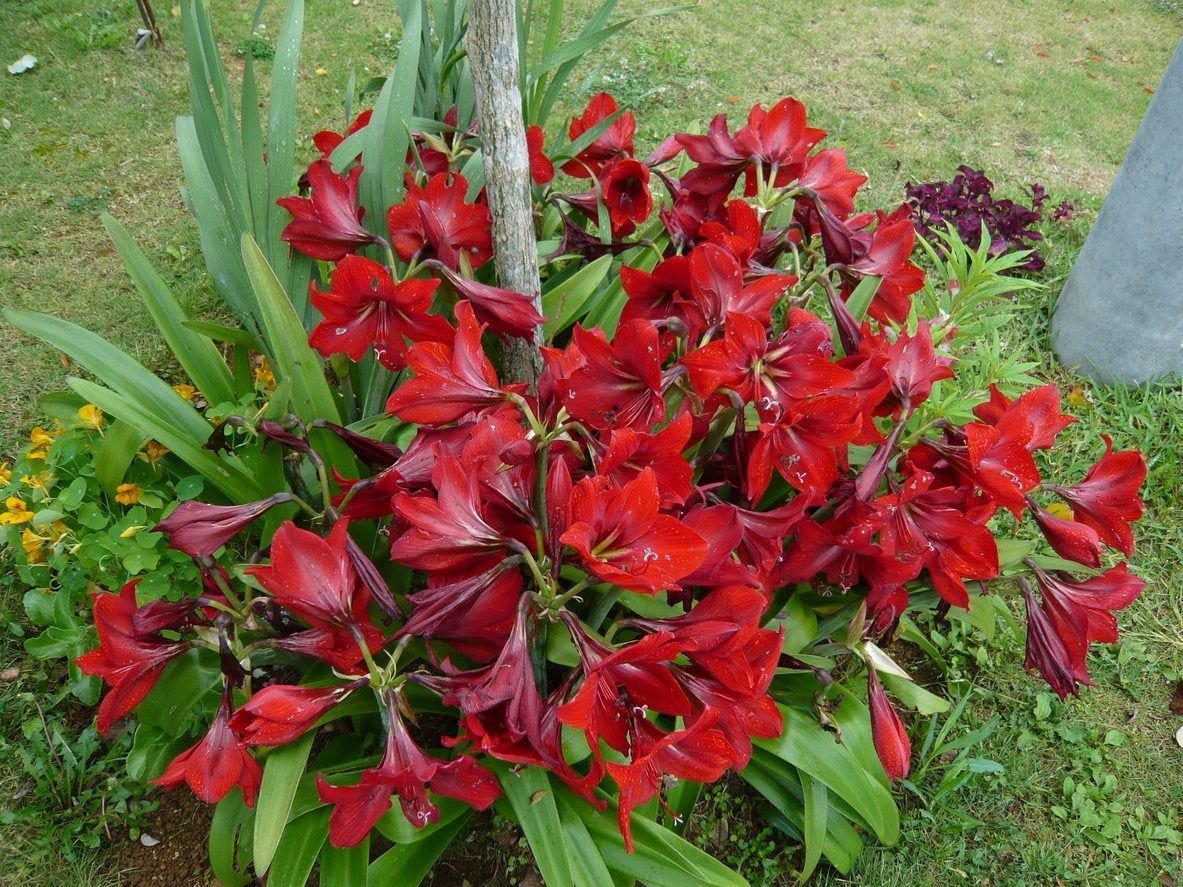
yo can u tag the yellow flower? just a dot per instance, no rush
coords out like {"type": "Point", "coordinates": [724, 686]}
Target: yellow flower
{"type": "Point", "coordinates": [128, 494]}
{"type": "Point", "coordinates": [39, 482]}
{"type": "Point", "coordinates": [17, 512]}
{"type": "Point", "coordinates": [131, 531]}
{"type": "Point", "coordinates": [186, 391]}
{"type": "Point", "coordinates": [5, 473]}
{"type": "Point", "coordinates": [40, 441]}
{"type": "Point", "coordinates": [264, 377]}
{"type": "Point", "coordinates": [1059, 509]}
{"type": "Point", "coordinates": [34, 546]}
{"type": "Point", "coordinates": [320, 72]}
{"type": "Point", "coordinates": [154, 452]}
{"type": "Point", "coordinates": [91, 416]}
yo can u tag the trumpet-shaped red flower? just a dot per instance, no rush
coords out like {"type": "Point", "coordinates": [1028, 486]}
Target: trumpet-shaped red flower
{"type": "Point", "coordinates": [408, 771]}
{"type": "Point", "coordinates": [364, 307]}
{"type": "Point", "coordinates": [800, 444]}
{"type": "Point", "coordinates": [541, 168]}
{"type": "Point", "coordinates": [887, 730]}
{"type": "Point", "coordinates": [327, 141]}
{"type": "Point", "coordinates": [615, 141]}
{"type": "Point", "coordinates": [1107, 499]}
{"type": "Point", "coordinates": [911, 364]}
{"type": "Point", "coordinates": [619, 384]}
{"type": "Point", "coordinates": [313, 577]}
{"type": "Point", "coordinates": [128, 659]}
{"type": "Point", "coordinates": [830, 182]}
{"type": "Point", "coordinates": [449, 381]}
{"type": "Point", "coordinates": [216, 764]}
{"type": "Point", "coordinates": [631, 452]}
{"type": "Point", "coordinates": [280, 713]}
{"type": "Point", "coordinates": [447, 532]}
{"type": "Point", "coordinates": [327, 224]}
{"type": "Point", "coordinates": [1040, 407]}
{"type": "Point", "coordinates": [505, 311]}
{"type": "Point", "coordinates": [438, 222]}
{"type": "Point", "coordinates": [624, 183]}
{"type": "Point", "coordinates": [1000, 460]}
{"type": "Point", "coordinates": [339, 648]}
{"type": "Point", "coordinates": [1047, 653]}
{"type": "Point", "coordinates": [199, 529]}
{"type": "Point", "coordinates": [444, 606]}
{"type": "Point", "coordinates": [779, 139]}
{"type": "Point", "coordinates": [1070, 539]}
{"type": "Point", "coordinates": [888, 256]}
{"type": "Point", "coordinates": [622, 538]}
{"type": "Point", "coordinates": [740, 234]}
{"type": "Point", "coordinates": [718, 288]}
{"type": "Point", "coordinates": [657, 294]}
{"type": "Point", "coordinates": [843, 550]}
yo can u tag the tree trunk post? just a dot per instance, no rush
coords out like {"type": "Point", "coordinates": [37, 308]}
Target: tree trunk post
{"type": "Point", "coordinates": [492, 41]}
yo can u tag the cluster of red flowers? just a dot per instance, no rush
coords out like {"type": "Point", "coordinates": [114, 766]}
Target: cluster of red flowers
{"type": "Point", "coordinates": [605, 551]}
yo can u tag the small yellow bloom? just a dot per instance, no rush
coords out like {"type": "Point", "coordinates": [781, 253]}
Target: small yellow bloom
{"type": "Point", "coordinates": [40, 441]}
{"type": "Point", "coordinates": [5, 473]}
{"type": "Point", "coordinates": [38, 482]}
{"type": "Point", "coordinates": [131, 531]}
{"type": "Point", "coordinates": [91, 417]}
{"type": "Point", "coordinates": [154, 452]}
{"type": "Point", "coordinates": [1059, 509]}
{"type": "Point", "coordinates": [264, 377]}
{"type": "Point", "coordinates": [186, 391]}
{"type": "Point", "coordinates": [34, 546]}
{"type": "Point", "coordinates": [128, 494]}
{"type": "Point", "coordinates": [16, 512]}
{"type": "Point", "coordinates": [320, 72]}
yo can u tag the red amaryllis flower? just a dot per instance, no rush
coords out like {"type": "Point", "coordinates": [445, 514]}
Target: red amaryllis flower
{"type": "Point", "coordinates": [199, 529]}
{"type": "Point", "coordinates": [339, 648]}
{"type": "Point", "coordinates": [656, 294]}
{"type": "Point", "coordinates": [622, 539]}
{"type": "Point", "coordinates": [718, 288]}
{"type": "Point", "coordinates": [631, 452]}
{"type": "Point", "coordinates": [280, 713]}
{"type": "Point", "coordinates": [1070, 539]}
{"type": "Point", "coordinates": [127, 659]}
{"type": "Point", "coordinates": [443, 604]}
{"type": "Point", "coordinates": [327, 224]}
{"type": "Point", "coordinates": [313, 578]}
{"type": "Point", "coordinates": [1046, 651]}
{"type": "Point", "coordinates": [364, 307]}
{"type": "Point", "coordinates": [505, 311]}
{"type": "Point", "coordinates": [779, 139]}
{"type": "Point", "coordinates": [720, 162]}
{"type": "Point", "coordinates": [829, 181]}
{"type": "Point", "coordinates": [620, 383]}
{"type": "Point", "coordinates": [449, 381]}
{"type": "Point", "coordinates": [216, 764]}
{"type": "Point", "coordinates": [327, 141]}
{"type": "Point", "coordinates": [406, 770]}
{"type": "Point", "coordinates": [1081, 609]}
{"type": "Point", "coordinates": [699, 752]}
{"type": "Point", "coordinates": [770, 374]}
{"type": "Point", "coordinates": [615, 141]}
{"type": "Point", "coordinates": [843, 552]}
{"type": "Point", "coordinates": [449, 531]}
{"type": "Point", "coordinates": [437, 222]}
{"type": "Point", "coordinates": [740, 234]}
{"type": "Point", "coordinates": [887, 730]}
{"type": "Point", "coordinates": [1040, 407]}
{"type": "Point", "coordinates": [541, 169]}
{"type": "Point", "coordinates": [911, 364]}
{"type": "Point", "coordinates": [800, 444]}
{"type": "Point", "coordinates": [888, 257]}
{"type": "Point", "coordinates": [1107, 499]}
{"type": "Point", "coordinates": [625, 187]}
{"type": "Point", "coordinates": [1000, 460]}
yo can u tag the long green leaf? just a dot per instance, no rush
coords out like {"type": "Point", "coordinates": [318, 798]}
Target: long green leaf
{"type": "Point", "coordinates": [817, 812]}
{"type": "Point", "coordinates": [588, 868]}
{"type": "Point", "coordinates": [281, 776]}
{"type": "Point", "coordinates": [281, 130]}
{"type": "Point", "coordinates": [114, 368]}
{"type": "Point", "coordinates": [301, 843]}
{"type": "Point", "coordinates": [345, 867]}
{"type": "Point", "coordinates": [201, 361]}
{"type": "Point", "coordinates": [406, 865]}
{"type": "Point", "coordinates": [566, 302]}
{"type": "Point", "coordinates": [864, 293]}
{"type": "Point", "coordinates": [231, 820]}
{"type": "Point", "coordinates": [115, 453]}
{"type": "Point", "coordinates": [530, 801]}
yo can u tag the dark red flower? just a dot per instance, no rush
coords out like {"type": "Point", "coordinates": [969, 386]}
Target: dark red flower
{"type": "Point", "coordinates": [624, 183]}
{"type": "Point", "coordinates": [843, 550]}
{"type": "Point", "coordinates": [1070, 539]}
{"type": "Point", "coordinates": [888, 256]}
{"type": "Point", "coordinates": [505, 311]}
{"type": "Point", "coordinates": [891, 739]}
{"type": "Point", "coordinates": [339, 648]}
{"type": "Point", "coordinates": [449, 381]}
{"type": "Point", "coordinates": [621, 538]}
{"type": "Point", "coordinates": [128, 659]}
{"type": "Point", "coordinates": [656, 294]}
{"type": "Point", "coordinates": [1000, 460]}
{"type": "Point", "coordinates": [541, 169]}
{"type": "Point", "coordinates": [631, 452]}
{"type": "Point", "coordinates": [199, 529]}
{"type": "Point", "coordinates": [438, 222]}
{"type": "Point", "coordinates": [216, 764]}
{"type": "Point", "coordinates": [1040, 407]}
{"type": "Point", "coordinates": [619, 384]}
{"type": "Point", "coordinates": [326, 225]}
{"type": "Point", "coordinates": [406, 770]}
{"type": "Point", "coordinates": [327, 141]}
{"type": "Point", "coordinates": [1107, 499]}
{"type": "Point", "coordinates": [718, 288]}
{"type": "Point", "coordinates": [779, 139]}
{"type": "Point", "coordinates": [801, 444]}
{"type": "Point", "coordinates": [741, 235]}
{"type": "Point", "coordinates": [280, 713]}
{"type": "Point", "coordinates": [1047, 653]}
{"type": "Point", "coordinates": [615, 141]}
{"type": "Point", "coordinates": [364, 307]}
{"type": "Point", "coordinates": [911, 364]}
{"type": "Point", "coordinates": [829, 181]}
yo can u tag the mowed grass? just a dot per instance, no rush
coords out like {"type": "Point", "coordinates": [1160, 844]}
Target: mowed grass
{"type": "Point", "coordinates": [1048, 92]}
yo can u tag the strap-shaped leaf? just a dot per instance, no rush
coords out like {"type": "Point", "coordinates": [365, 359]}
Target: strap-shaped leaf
{"type": "Point", "coordinates": [114, 368]}
{"type": "Point", "coordinates": [567, 301]}
{"type": "Point", "coordinates": [347, 867]}
{"type": "Point", "coordinates": [229, 841]}
{"type": "Point", "coordinates": [281, 131]}
{"type": "Point", "coordinates": [864, 293]}
{"type": "Point", "coordinates": [588, 868]}
{"type": "Point", "coordinates": [115, 453]}
{"type": "Point", "coordinates": [227, 477]}
{"type": "Point", "coordinates": [817, 813]}
{"type": "Point", "coordinates": [181, 686]}
{"type": "Point", "coordinates": [302, 840]}
{"type": "Point", "coordinates": [281, 777]}
{"type": "Point", "coordinates": [530, 801]}
{"type": "Point", "coordinates": [201, 361]}
{"type": "Point", "coordinates": [406, 865]}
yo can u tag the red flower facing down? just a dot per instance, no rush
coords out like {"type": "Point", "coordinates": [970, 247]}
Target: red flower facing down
{"type": "Point", "coordinates": [891, 739]}
{"type": "Point", "coordinates": [541, 169]}
{"type": "Point", "coordinates": [505, 311]}
{"type": "Point", "coordinates": [280, 713]}
{"type": "Point", "coordinates": [216, 764]}
{"type": "Point", "coordinates": [199, 529]}
{"type": "Point", "coordinates": [365, 308]}
{"type": "Point", "coordinates": [615, 141]}
{"type": "Point", "coordinates": [327, 224]}
{"type": "Point", "coordinates": [438, 222]}
{"type": "Point", "coordinates": [1107, 499]}
{"type": "Point", "coordinates": [621, 538]}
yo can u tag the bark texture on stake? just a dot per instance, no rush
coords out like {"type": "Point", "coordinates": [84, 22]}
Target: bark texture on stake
{"type": "Point", "coordinates": [493, 56]}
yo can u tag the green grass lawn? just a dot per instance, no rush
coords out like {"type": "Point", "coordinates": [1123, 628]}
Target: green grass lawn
{"type": "Point", "coordinates": [1089, 792]}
